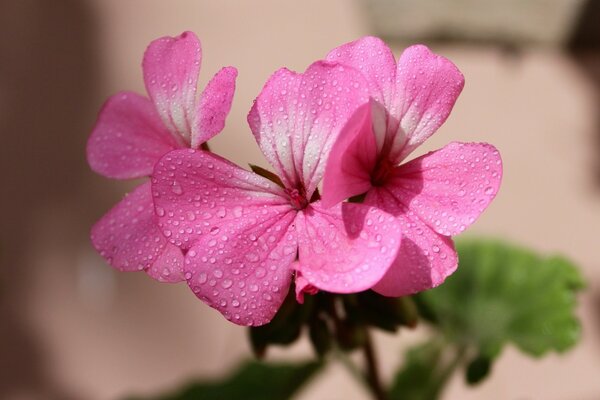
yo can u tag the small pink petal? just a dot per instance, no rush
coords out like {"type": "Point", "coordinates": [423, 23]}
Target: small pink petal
{"type": "Point", "coordinates": [129, 239]}
{"type": "Point", "coordinates": [171, 66]}
{"type": "Point", "coordinates": [426, 89]}
{"type": "Point", "coordinates": [425, 258]}
{"type": "Point", "coordinates": [244, 271]}
{"type": "Point", "coordinates": [352, 159]}
{"type": "Point", "coordinates": [215, 103]}
{"type": "Point", "coordinates": [371, 56]}
{"type": "Point", "coordinates": [169, 265]}
{"type": "Point", "coordinates": [449, 188]}
{"type": "Point", "coordinates": [196, 192]}
{"type": "Point", "coordinates": [302, 285]}
{"type": "Point", "coordinates": [297, 117]}
{"type": "Point", "coordinates": [128, 138]}
{"type": "Point", "coordinates": [347, 248]}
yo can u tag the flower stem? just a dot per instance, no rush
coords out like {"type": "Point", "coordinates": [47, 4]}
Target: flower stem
{"type": "Point", "coordinates": [372, 371]}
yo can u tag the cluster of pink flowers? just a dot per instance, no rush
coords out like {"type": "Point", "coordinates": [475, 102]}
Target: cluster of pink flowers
{"type": "Point", "coordinates": [239, 238]}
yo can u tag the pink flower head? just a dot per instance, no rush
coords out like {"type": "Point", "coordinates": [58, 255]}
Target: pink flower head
{"type": "Point", "coordinates": [245, 235]}
{"type": "Point", "coordinates": [133, 132]}
{"type": "Point", "coordinates": [434, 196]}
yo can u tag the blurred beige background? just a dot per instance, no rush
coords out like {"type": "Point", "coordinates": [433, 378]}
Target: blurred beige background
{"type": "Point", "coordinates": [72, 328]}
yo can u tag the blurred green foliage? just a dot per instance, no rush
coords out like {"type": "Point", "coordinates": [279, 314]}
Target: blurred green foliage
{"type": "Point", "coordinates": [501, 294]}
{"type": "Point", "coordinates": [252, 381]}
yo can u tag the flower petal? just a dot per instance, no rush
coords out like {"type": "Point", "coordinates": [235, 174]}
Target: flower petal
{"type": "Point", "coordinates": [425, 258]}
{"type": "Point", "coordinates": [427, 86]}
{"type": "Point", "coordinates": [244, 271]}
{"type": "Point", "coordinates": [302, 286]}
{"type": "Point", "coordinates": [195, 192]}
{"type": "Point", "coordinates": [352, 159]}
{"type": "Point", "coordinates": [371, 56]}
{"type": "Point", "coordinates": [171, 66]}
{"type": "Point", "coordinates": [215, 103]}
{"type": "Point", "coordinates": [128, 138]}
{"type": "Point", "coordinates": [347, 248]}
{"type": "Point", "coordinates": [449, 188]}
{"type": "Point", "coordinates": [129, 239]}
{"type": "Point", "coordinates": [169, 265]}
{"type": "Point", "coordinates": [297, 117]}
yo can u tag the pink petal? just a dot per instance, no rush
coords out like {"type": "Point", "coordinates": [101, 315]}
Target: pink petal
{"type": "Point", "coordinates": [128, 138]}
{"type": "Point", "coordinates": [372, 57]}
{"type": "Point", "coordinates": [196, 192]}
{"type": "Point", "coordinates": [352, 159]}
{"type": "Point", "coordinates": [272, 119]}
{"type": "Point", "coordinates": [215, 103]}
{"type": "Point", "coordinates": [245, 270]}
{"type": "Point", "coordinates": [426, 89]}
{"type": "Point", "coordinates": [171, 66]}
{"type": "Point", "coordinates": [297, 117]}
{"type": "Point", "coordinates": [169, 265]}
{"type": "Point", "coordinates": [347, 248]}
{"type": "Point", "coordinates": [449, 188]}
{"type": "Point", "coordinates": [129, 239]}
{"type": "Point", "coordinates": [425, 258]}
{"type": "Point", "coordinates": [302, 285]}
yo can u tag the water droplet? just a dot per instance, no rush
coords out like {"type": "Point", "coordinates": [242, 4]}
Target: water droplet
{"type": "Point", "coordinates": [176, 188]}
{"type": "Point", "coordinates": [260, 272]}
{"type": "Point", "coordinates": [226, 283]}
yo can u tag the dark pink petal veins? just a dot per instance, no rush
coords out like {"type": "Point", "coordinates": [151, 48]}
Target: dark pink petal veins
{"type": "Point", "coordinates": [297, 117]}
{"type": "Point", "coordinates": [171, 66]}
{"type": "Point", "coordinates": [129, 239]}
{"type": "Point", "coordinates": [425, 258]}
{"type": "Point", "coordinates": [427, 86]}
{"type": "Point", "coordinates": [449, 188]}
{"type": "Point", "coordinates": [128, 138]}
{"type": "Point", "coordinates": [214, 105]}
{"type": "Point", "coordinates": [196, 192]}
{"type": "Point", "coordinates": [347, 248]}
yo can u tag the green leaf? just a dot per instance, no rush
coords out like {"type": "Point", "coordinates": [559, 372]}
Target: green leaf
{"type": "Point", "coordinates": [423, 374]}
{"type": "Point", "coordinates": [285, 327]}
{"type": "Point", "coordinates": [252, 381]}
{"type": "Point", "coordinates": [319, 335]}
{"type": "Point", "coordinates": [387, 313]}
{"type": "Point", "coordinates": [478, 370]}
{"type": "Point", "coordinates": [506, 294]}
{"type": "Point", "coordinates": [265, 173]}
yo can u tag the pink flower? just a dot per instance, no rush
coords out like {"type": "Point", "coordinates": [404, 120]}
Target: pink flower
{"type": "Point", "coordinates": [133, 132]}
{"type": "Point", "coordinates": [245, 235]}
{"type": "Point", "coordinates": [434, 196]}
